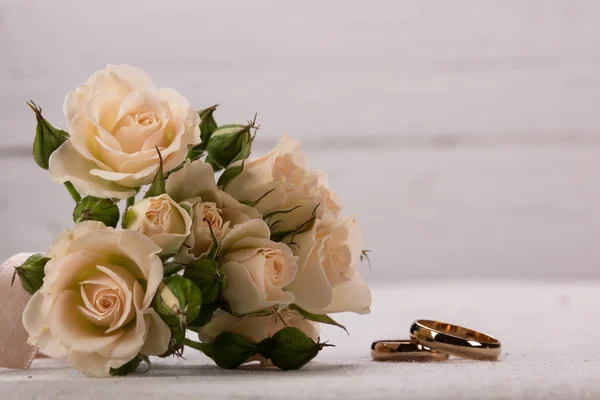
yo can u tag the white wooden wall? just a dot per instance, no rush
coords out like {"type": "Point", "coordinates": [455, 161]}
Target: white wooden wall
{"type": "Point", "coordinates": [465, 134]}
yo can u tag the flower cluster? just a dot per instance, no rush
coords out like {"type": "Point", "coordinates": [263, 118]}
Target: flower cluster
{"type": "Point", "coordinates": [251, 262]}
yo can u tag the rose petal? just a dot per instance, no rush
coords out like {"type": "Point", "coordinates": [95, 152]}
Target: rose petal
{"type": "Point", "coordinates": [158, 335]}
{"type": "Point", "coordinates": [200, 173]}
{"type": "Point", "coordinates": [73, 329]}
{"type": "Point", "coordinates": [36, 324]}
{"type": "Point", "coordinates": [353, 295]}
{"type": "Point", "coordinates": [62, 242]}
{"type": "Point", "coordinates": [67, 165]}
{"type": "Point", "coordinates": [311, 286]}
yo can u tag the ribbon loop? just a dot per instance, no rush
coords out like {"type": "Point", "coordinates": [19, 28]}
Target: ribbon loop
{"type": "Point", "coordinates": [15, 352]}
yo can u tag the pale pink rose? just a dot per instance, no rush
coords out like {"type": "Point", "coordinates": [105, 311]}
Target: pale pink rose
{"type": "Point", "coordinates": [116, 120]}
{"type": "Point", "coordinates": [257, 269]}
{"type": "Point", "coordinates": [94, 308]}
{"type": "Point", "coordinates": [162, 220]}
{"type": "Point", "coordinates": [194, 187]}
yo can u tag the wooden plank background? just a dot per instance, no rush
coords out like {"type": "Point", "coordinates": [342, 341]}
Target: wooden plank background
{"type": "Point", "coordinates": [464, 135]}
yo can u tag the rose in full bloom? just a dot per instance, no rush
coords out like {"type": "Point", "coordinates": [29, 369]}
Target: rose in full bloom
{"type": "Point", "coordinates": [327, 279]}
{"type": "Point", "coordinates": [257, 328]}
{"type": "Point", "coordinates": [194, 187]}
{"type": "Point", "coordinates": [94, 307]}
{"type": "Point", "coordinates": [116, 122]}
{"type": "Point", "coordinates": [257, 269]}
{"type": "Point", "coordinates": [162, 220]}
{"type": "Point", "coordinates": [282, 173]}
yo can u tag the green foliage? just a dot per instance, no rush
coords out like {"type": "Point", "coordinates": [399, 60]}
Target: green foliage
{"type": "Point", "coordinates": [47, 139]}
{"type": "Point", "coordinates": [31, 272]}
{"type": "Point", "coordinates": [94, 209]}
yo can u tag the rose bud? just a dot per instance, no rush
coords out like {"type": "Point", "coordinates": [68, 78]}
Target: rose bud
{"type": "Point", "coordinates": [228, 144]}
{"type": "Point", "coordinates": [230, 350]}
{"type": "Point", "coordinates": [47, 138]}
{"type": "Point", "coordinates": [209, 276]}
{"type": "Point", "coordinates": [94, 209]}
{"type": "Point", "coordinates": [31, 272]}
{"type": "Point", "coordinates": [290, 348]}
{"type": "Point", "coordinates": [178, 301]}
{"type": "Point", "coordinates": [162, 220]}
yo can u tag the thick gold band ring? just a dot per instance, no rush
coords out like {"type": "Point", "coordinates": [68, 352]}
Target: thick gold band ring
{"type": "Point", "coordinates": [404, 350]}
{"type": "Point", "coordinates": [456, 340]}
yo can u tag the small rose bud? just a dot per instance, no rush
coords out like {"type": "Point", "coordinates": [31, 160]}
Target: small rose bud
{"type": "Point", "coordinates": [290, 348]}
{"type": "Point", "coordinates": [178, 301]}
{"type": "Point", "coordinates": [48, 138]}
{"type": "Point", "coordinates": [162, 220]}
{"type": "Point", "coordinates": [31, 272]}
{"type": "Point", "coordinates": [228, 144]}
{"type": "Point", "coordinates": [230, 350]}
{"type": "Point", "coordinates": [207, 122]}
{"type": "Point", "coordinates": [94, 209]}
{"type": "Point", "coordinates": [209, 276]}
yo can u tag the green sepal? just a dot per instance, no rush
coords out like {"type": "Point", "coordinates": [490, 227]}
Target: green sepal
{"type": "Point", "coordinates": [230, 350]}
{"type": "Point", "coordinates": [322, 318]}
{"type": "Point", "coordinates": [178, 301]}
{"type": "Point", "coordinates": [209, 276]}
{"type": "Point", "coordinates": [171, 267]}
{"type": "Point", "coordinates": [196, 152]}
{"type": "Point", "coordinates": [126, 368]}
{"type": "Point", "coordinates": [278, 236]}
{"type": "Point", "coordinates": [31, 273]}
{"type": "Point", "coordinates": [207, 122]}
{"type": "Point", "coordinates": [205, 315]}
{"type": "Point", "coordinates": [176, 342]}
{"type": "Point", "coordinates": [158, 184]}
{"type": "Point", "coordinates": [229, 143]}
{"type": "Point", "coordinates": [215, 166]}
{"type": "Point", "coordinates": [94, 209]}
{"type": "Point", "coordinates": [47, 139]}
{"type": "Point", "coordinates": [290, 348]}
{"type": "Point", "coordinates": [229, 175]}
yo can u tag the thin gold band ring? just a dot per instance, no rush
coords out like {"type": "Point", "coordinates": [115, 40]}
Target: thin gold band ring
{"type": "Point", "coordinates": [456, 340]}
{"type": "Point", "coordinates": [404, 350]}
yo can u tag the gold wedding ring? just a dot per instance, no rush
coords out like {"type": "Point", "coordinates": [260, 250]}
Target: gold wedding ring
{"type": "Point", "coordinates": [404, 350]}
{"type": "Point", "coordinates": [456, 340]}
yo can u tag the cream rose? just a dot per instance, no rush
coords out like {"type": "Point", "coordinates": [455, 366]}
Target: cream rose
{"type": "Point", "coordinates": [327, 280]}
{"type": "Point", "coordinates": [94, 308]}
{"type": "Point", "coordinates": [257, 328]}
{"type": "Point", "coordinates": [257, 269]}
{"type": "Point", "coordinates": [116, 121]}
{"type": "Point", "coordinates": [162, 220]}
{"type": "Point", "coordinates": [282, 173]}
{"type": "Point", "coordinates": [194, 186]}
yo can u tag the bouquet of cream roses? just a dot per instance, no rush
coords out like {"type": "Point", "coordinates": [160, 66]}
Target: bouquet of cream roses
{"type": "Point", "coordinates": [248, 263]}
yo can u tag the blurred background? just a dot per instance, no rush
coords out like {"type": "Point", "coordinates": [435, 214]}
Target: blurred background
{"type": "Point", "coordinates": [464, 135]}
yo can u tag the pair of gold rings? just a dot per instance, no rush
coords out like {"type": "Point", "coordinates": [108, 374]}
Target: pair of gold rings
{"type": "Point", "coordinates": [436, 341]}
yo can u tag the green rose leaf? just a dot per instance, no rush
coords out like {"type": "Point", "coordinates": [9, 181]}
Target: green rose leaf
{"type": "Point", "coordinates": [31, 272]}
{"type": "Point", "coordinates": [290, 348]}
{"type": "Point", "coordinates": [94, 209]}
{"type": "Point", "coordinates": [322, 318]}
{"type": "Point", "coordinates": [209, 276]}
{"type": "Point", "coordinates": [48, 138]}
{"type": "Point", "coordinates": [230, 350]}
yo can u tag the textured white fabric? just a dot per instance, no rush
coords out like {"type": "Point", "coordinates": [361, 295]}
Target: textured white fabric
{"type": "Point", "coordinates": [550, 334]}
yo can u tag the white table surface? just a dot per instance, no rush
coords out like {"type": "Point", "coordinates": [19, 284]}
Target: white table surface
{"type": "Point", "coordinates": [548, 331]}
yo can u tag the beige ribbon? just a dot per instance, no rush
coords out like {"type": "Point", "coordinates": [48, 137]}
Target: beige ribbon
{"type": "Point", "coordinates": [14, 350]}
